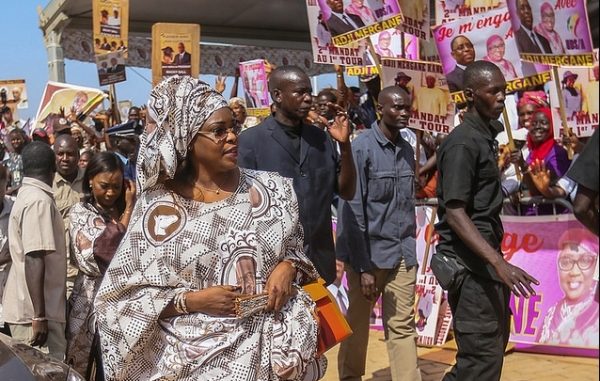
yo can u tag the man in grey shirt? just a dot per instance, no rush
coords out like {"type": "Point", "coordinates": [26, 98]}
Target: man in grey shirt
{"type": "Point", "coordinates": [376, 240]}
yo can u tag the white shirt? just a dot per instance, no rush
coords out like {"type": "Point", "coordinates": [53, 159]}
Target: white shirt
{"type": "Point", "coordinates": [339, 293]}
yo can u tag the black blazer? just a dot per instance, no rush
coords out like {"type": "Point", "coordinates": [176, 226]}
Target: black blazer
{"type": "Point", "coordinates": [337, 26]}
{"type": "Point", "coordinates": [455, 79]}
{"type": "Point", "coordinates": [267, 147]}
{"type": "Point", "coordinates": [526, 45]}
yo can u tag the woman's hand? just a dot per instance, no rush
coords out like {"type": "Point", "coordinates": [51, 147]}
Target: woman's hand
{"type": "Point", "coordinates": [279, 285]}
{"type": "Point", "coordinates": [215, 301]}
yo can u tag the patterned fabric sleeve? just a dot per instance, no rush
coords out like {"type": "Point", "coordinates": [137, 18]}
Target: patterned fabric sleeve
{"type": "Point", "coordinates": [85, 227]}
{"type": "Point", "coordinates": [294, 247]}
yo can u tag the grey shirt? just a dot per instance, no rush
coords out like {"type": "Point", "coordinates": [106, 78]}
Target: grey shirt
{"type": "Point", "coordinates": [377, 228]}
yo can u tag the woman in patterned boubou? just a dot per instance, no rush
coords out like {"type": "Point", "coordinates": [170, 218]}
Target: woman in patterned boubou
{"type": "Point", "coordinates": [204, 233]}
{"type": "Point", "coordinates": [97, 227]}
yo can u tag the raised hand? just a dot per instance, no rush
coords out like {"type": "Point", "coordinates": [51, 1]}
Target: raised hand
{"type": "Point", "coordinates": [540, 176]}
{"type": "Point", "coordinates": [339, 129]}
{"type": "Point", "coordinates": [220, 83]}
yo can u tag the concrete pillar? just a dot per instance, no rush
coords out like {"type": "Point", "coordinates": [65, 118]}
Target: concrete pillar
{"type": "Point", "coordinates": [56, 60]}
{"type": "Point", "coordinates": [52, 23]}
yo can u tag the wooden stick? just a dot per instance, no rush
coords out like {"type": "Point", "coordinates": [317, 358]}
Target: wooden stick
{"type": "Point", "coordinates": [562, 111]}
{"type": "Point", "coordinates": [375, 57]}
{"type": "Point", "coordinates": [114, 105]}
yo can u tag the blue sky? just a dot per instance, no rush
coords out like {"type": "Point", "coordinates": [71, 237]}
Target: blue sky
{"type": "Point", "coordinates": [25, 58]}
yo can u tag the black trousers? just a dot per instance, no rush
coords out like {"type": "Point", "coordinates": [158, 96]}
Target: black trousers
{"type": "Point", "coordinates": [481, 320]}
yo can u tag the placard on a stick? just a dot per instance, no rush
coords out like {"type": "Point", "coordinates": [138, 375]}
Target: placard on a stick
{"type": "Point", "coordinates": [175, 50]}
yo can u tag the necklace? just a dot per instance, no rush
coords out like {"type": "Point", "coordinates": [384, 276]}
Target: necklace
{"type": "Point", "coordinates": [216, 191]}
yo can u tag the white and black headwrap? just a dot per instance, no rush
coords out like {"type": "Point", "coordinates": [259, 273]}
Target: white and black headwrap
{"type": "Point", "coordinates": [178, 106]}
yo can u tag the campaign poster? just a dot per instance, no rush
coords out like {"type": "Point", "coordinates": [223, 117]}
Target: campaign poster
{"type": "Point", "coordinates": [56, 95]}
{"type": "Point", "coordinates": [110, 25]}
{"type": "Point", "coordinates": [486, 36]}
{"type": "Point", "coordinates": [432, 106]}
{"type": "Point", "coordinates": [552, 32]}
{"type": "Point", "coordinates": [394, 43]}
{"type": "Point", "coordinates": [562, 317]}
{"type": "Point", "coordinates": [111, 68]}
{"type": "Point", "coordinates": [13, 94]}
{"type": "Point", "coordinates": [579, 88]}
{"type": "Point", "coordinates": [415, 18]}
{"type": "Point", "coordinates": [450, 10]}
{"type": "Point", "coordinates": [324, 51]}
{"type": "Point", "coordinates": [428, 298]}
{"type": "Point", "coordinates": [124, 107]}
{"type": "Point", "coordinates": [349, 21]}
{"type": "Point", "coordinates": [176, 50]}
{"type": "Point", "coordinates": [254, 81]}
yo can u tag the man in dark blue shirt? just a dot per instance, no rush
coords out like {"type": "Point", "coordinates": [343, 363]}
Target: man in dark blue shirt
{"type": "Point", "coordinates": [285, 144]}
{"type": "Point", "coordinates": [376, 238]}
{"type": "Point", "coordinates": [468, 261]}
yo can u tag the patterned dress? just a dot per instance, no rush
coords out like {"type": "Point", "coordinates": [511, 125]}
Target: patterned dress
{"type": "Point", "coordinates": [175, 244]}
{"type": "Point", "coordinates": [92, 235]}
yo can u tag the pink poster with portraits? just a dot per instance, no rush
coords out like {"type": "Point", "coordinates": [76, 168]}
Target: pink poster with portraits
{"type": "Point", "coordinates": [552, 32]}
{"type": "Point", "coordinates": [562, 318]}
{"type": "Point", "coordinates": [254, 80]}
{"type": "Point", "coordinates": [487, 36]}
{"type": "Point", "coordinates": [394, 43]}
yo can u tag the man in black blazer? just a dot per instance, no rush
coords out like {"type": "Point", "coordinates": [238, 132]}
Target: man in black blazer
{"type": "Point", "coordinates": [284, 143]}
{"type": "Point", "coordinates": [340, 22]}
{"type": "Point", "coordinates": [463, 53]}
{"type": "Point", "coordinates": [528, 41]}
{"type": "Point", "coordinates": [182, 57]}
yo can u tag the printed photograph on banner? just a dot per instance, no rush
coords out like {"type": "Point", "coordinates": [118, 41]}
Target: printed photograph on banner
{"type": "Point", "coordinates": [111, 68]}
{"type": "Point", "coordinates": [432, 107]}
{"type": "Point", "coordinates": [110, 24]}
{"type": "Point", "coordinates": [580, 95]}
{"type": "Point", "coordinates": [83, 100]}
{"type": "Point", "coordinates": [428, 298]}
{"type": "Point", "coordinates": [486, 36]}
{"type": "Point", "coordinates": [176, 59]}
{"type": "Point", "coordinates": [562, 318]}
{"type": "Point", "coordinates": [348, 21]}
{"type": "Point", "coordinates": [124, 107]}
{"type": "Point", "coordinates": [553, 32]}
{"type": "Point", "coordinates": [428, 51]}
{"type": "Point", "coordinates": [322, 46]}
{"type": "Point", "coordinates": [450, 10]}
{"type": "Point", "coordinates": [415, 18]}
{"type": "Point", "coordinates": [254, 81]}
{"type": "Point", "coordinates": [432, 313]}
{"type": "Point", "coordinates": [394, 43]}
{"type": "Point", "coordinates": [13, 94]}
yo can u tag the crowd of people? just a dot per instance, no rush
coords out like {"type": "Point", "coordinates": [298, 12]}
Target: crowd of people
{"type": "Point", "coordinates": [174, 245]}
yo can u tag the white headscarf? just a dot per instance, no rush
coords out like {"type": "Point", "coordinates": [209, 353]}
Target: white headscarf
{"type": "Point", "coordinates": [179, 106]}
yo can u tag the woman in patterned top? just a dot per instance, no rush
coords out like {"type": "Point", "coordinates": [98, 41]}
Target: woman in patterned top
{"type": "Point", "coordinates": [204, 233]}
{"type": "Point", "coordinates": [97, 227]}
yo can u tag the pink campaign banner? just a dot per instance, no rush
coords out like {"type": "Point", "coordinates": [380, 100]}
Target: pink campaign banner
{"type": "Point", "coordinates": [254, 78]}
{"type": "Point", "coordinates": [562, 318]}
